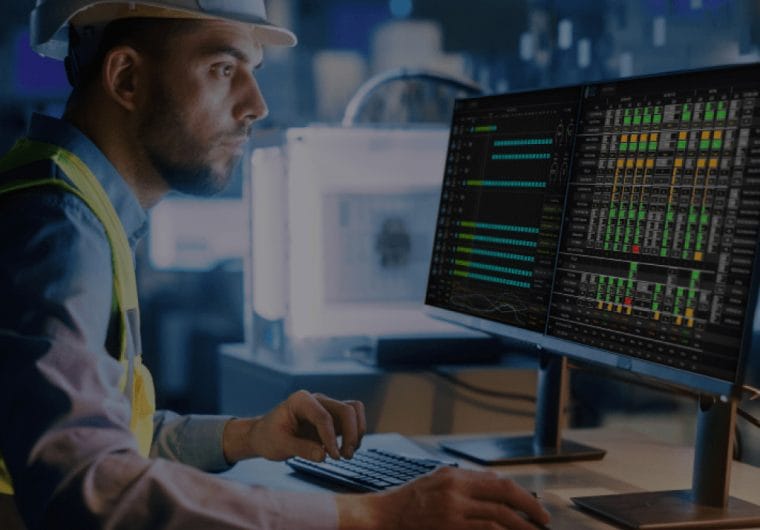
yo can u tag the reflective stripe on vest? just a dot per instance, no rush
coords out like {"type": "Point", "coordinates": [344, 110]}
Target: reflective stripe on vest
{"type": "Point", "coordinates": [136, 382]}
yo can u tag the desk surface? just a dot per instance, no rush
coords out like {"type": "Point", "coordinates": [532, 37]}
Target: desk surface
{"type": "Point", "coordinates": [633, 463]}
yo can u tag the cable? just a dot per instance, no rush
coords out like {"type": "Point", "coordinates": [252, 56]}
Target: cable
{"type": "Point", "coordinates": [628, 378]}
{"type": "Point", "coordinates": [749, 417]}
{"type": "Point", "coordinates": [754, 392]}
{"type": "Point", "coordinates": [636, 379]}
{"type": "Point", "coordinates": [664, 387]}
{"type": "Point", "coordinates": [490, 407]}
{"type": "Point", "coordinates": [480, 390]}
{"type": "Point", "coordinates": [738, 443]}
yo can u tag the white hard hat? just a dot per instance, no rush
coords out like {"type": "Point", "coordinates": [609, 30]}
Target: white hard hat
{"type": "Point", "coordinates": [50, 19]}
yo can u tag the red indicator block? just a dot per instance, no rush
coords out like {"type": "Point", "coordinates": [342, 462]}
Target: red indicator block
{"type": "Point", "coordinates": [636, 249]}
{"type": "Point", "coordinates": [628, 301]}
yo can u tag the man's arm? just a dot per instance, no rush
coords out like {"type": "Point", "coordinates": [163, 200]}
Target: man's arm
{"type": "Point", "coordinates": [194, 440]}
{"type": "Point", "coordinates": [63, 422]}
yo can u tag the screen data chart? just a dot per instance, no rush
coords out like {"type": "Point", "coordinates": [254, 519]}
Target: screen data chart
{"type": "Point", "coordinates": [501, 206]}
{"type": "Point", "coordinates": [661, 220]}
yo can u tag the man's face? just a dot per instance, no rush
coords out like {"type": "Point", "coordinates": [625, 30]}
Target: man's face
{"type": "Point", "coordinates": [202, 101]}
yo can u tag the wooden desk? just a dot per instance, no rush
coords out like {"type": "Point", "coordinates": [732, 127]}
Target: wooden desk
{"type": "Point", "coordinates": [633, 463]}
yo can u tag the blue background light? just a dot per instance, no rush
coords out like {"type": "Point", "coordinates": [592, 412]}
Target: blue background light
{"type": "Point", "coordinates": [401, 8]}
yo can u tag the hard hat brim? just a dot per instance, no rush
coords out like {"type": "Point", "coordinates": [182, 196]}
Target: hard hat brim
{"type": "Point", "coordinates": [98, 13]}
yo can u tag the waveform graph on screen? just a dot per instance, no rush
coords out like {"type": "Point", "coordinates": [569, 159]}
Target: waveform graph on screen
{"type": "Point", "coordinates": [661, 224]}
{"type": "Point", "coordinates": [501, 206]}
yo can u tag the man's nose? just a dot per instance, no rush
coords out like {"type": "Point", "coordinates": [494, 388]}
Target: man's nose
{"type": "Point", "coordinates": [251, 106]}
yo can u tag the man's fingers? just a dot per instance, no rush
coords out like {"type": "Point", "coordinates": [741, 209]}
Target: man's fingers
{"type": "Point", "coordinates": [309, 450]}
{"type": "Point", "coordinates": [361, 418]}
{"type": "Point", "coordinates": [308, 408]}
{"type": "Point", "coordinates": [346, 422]}
{"type": "Point", "coordinates": [498, 513]}
{"type": "Point", "coordinates": [497, 489]}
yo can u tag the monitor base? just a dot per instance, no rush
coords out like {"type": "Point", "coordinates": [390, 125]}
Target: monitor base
{"type": "Point", "coordinates": [670, 510]}
{"type": "Point", "coordinates": [519, 450]}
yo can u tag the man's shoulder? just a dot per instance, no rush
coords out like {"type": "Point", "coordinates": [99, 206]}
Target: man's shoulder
{"type": "Point", "coordinates": [55, 261]}
{"type": "Point", "coordinates": [36, 206]}
{"type": "Point", "coordinates": [50, 224]}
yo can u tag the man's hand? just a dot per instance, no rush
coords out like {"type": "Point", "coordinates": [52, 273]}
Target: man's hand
{"type": "Point", "coordinates": [448, 499]}
{"type": "Point", "coordinates": [305, 425]}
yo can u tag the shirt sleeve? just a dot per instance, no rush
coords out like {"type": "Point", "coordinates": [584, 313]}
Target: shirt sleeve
{"type": "Point", "coordinates": [195, 440]}
{"type": "Point", "coordinates": [63, 423]}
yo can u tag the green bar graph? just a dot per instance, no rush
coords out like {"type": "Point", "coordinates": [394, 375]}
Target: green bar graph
{"type": "Point", "coordinates": [506, 183]}
{"type": "Point", "coordinates": [709, 111]}
{"type": "Point", "coordinates": [495, 254]}
{"type": "Point", "coordinates": [500, 240]}
{"type": "Point", "coordinates": [521, 156]}
{"type": "Point", "coordinates": [523, 141]}
{"type": "Point", "coordinates": [721, 114]}
{"type": "Point", "coordinates": [489, 278]}
{"type": "Point", "coordinates": [504, 228]}
{"type": "Point", "coordinates": [686, 112]}
{"type": "Point", "coordinates": [493, 268]}
{"type": "Point", "coordinates": [627, 118]}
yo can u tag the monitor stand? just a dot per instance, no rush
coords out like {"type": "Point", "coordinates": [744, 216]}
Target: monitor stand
{"type": "Point", "coordinates": [546, 444]}
{"type": "Point", "coordinates": [707, 504]}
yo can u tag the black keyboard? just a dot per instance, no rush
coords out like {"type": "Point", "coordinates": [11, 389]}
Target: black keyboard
{"type": "Point", "coordinates": [369, 469]}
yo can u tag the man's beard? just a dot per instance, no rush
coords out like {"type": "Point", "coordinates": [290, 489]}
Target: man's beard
{"type": "Point", "coordinates": [177, 155]}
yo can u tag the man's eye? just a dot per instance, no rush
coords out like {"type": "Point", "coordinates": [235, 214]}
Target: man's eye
{"type": "Point", "coordinates": [223, 70]}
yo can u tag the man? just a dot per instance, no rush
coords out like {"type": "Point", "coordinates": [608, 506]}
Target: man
{"type": "Point", "coordinates": [164, 98]}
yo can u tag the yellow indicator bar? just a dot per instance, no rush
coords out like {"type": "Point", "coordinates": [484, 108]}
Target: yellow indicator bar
{"type": "Point", "coordinates": [650, 163]}
{"type": "Point", "coordinates": [698, 256]}
{"type": "Point", "coordinates": [682, 135]}
{"type": "Point", "coordinates": [657, 315]}
{"type": "Point", "coordinates": [717, 135]}
{"type": "Point", "coordinates": [679, 320]}
{"type": "Point", "coordinates": [619, 308]}
{"type": "Point", "coordinates": [690, 323]}
{"type": "Point", "coordinates": [713, 163]}
{"type": "Point", "coordinates": [600, 305]}
{"type": "Point", "coordinates": [621, 163]}
{"type": "Point", "coordinates": [653, 137]}
{"type": "Point", "coordinates": [689, 312]}
{"type": "Point", "coordinates": [705, 135]}
{"type": "Point", "coordinates": [634, 138]}
{"type": "Point", "coordinates": [679, 162]}
{"type": "Point", "coordinates": [609, 306]}
{"type": "Point", "coordinates": [629, 311]}
{"type": "Point", "coordinates": [624, 138]}
{"type": "Point", "coordinates": [629, 164]}
{"type": "Point", "coordinates": [644, 137]}
{"type": "Point", "coordinates": [701, 163]}
{"type": "Point", "coordinates": [639, 164]}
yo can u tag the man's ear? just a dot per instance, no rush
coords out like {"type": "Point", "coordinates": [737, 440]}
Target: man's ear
{"type": "Point", "coordinates": [122, 75]}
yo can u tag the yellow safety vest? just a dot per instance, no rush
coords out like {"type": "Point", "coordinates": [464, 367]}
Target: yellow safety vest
{"type": "Point", "coordinates": [136, 382]}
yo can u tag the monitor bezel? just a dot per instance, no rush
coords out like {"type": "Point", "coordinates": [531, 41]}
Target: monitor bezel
{"type": "Point", "coordinates": [542, 342]}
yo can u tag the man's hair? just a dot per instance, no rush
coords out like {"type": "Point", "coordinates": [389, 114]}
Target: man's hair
{"type": "Point", "coordinates": [149, 36]}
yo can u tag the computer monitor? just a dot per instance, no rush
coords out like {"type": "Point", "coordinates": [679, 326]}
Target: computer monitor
{"type": "Point", "coordinates": [615, 223]}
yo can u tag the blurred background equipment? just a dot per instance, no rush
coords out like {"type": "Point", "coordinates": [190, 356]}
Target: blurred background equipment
{"type": "Point", "coordinates": [342, 218]}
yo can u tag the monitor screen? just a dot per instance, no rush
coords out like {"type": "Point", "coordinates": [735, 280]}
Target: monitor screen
{"type": "Point", "coordinates": [500, 215]}
{"type": "Point", "coordinates": [616, 222]}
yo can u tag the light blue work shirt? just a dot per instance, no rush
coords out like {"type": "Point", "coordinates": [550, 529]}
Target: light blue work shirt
{"type": "Point", "coordinates": [64, 425]}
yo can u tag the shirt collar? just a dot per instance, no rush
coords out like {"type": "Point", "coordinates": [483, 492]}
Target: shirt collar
{"type": "Point", "coordinates": [63, 134]}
